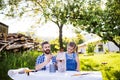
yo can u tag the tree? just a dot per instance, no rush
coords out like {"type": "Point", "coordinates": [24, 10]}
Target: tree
{"type": "Point", "coordinates": [111, 21]}
{"type": "Point", "coordinates": [54, 10]}
{"type": "Point", "coordinates": [103, 22]}
{"type": "Point", "coordinates": [86, 13]}
{"type": "Point", "coordinates": [57, 11]}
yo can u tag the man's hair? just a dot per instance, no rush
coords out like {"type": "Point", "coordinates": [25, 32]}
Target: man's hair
{"type": "Point", "coordinates": [45, 42]}
{"type": "Point", "coordinates": [72, 44]}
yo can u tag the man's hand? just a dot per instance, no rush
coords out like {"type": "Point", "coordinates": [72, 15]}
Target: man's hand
{"type": "Point", "coordinates": [40, 66]}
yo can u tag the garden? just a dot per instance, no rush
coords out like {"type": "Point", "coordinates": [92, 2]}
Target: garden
{"type": "Point", "coordinates": [59, 22]}
{"type": "Point", "coordinates": [108, 64]}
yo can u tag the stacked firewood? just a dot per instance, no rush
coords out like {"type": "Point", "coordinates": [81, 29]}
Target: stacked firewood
{"type": "Point", "coordinates": [17, 42]}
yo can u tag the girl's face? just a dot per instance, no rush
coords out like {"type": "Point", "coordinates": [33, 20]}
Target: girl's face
{"type": "Point", "coordinates": [70, 49]}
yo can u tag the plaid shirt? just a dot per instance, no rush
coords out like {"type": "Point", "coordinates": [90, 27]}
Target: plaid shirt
{"type": "Point", "coordinates": [40, 59]}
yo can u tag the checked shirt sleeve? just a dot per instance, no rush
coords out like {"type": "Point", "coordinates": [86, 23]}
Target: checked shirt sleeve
{"type": "Point", "coordinates": [39, 59]}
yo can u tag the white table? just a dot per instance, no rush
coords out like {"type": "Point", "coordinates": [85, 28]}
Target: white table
{"type": "Point", "coordinates": [68, 75]}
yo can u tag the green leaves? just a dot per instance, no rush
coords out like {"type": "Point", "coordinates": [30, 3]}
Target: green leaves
{"type": "Point", "coordinates": [88, 13]}
{"type": "Point", "coordinates": [2, 4]}
{"type": "Point", "coordinates": [105, 23]}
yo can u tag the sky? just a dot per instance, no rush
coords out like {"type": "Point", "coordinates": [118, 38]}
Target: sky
{"type": "Point", "coordinates": [16, 25]}
{"type": "Point", "coordinates": [46, 30]}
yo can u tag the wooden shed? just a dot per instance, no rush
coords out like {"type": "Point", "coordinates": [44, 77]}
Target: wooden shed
{"type": "Point", "coordinates": [3, 31]}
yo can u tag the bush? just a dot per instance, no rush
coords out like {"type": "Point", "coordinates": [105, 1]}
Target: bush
{"type": "Point", "coordinates": [15, 61]}
{"type": "Point", "coordinates": [90, 48]}
{"type": "Point", "coordinates": [108, 64]}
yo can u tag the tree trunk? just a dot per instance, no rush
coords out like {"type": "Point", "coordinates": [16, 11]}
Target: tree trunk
{"type": "Point", "coordinates": [112, 40]}
{"type": "Point", "coordinates": [118, 45]}
{"type": "Point", "coordinates": [60, 36]}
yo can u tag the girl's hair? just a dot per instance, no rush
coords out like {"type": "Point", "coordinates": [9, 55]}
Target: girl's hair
{"type": "Point", "coordinates": [72, 44]}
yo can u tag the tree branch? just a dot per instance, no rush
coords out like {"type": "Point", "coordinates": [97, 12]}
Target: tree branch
{"type": "Point", "coordinates": [74, 17]}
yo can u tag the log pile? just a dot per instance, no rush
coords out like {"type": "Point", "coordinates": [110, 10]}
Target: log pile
{"type": "Point", "coordinates": [17, 42]}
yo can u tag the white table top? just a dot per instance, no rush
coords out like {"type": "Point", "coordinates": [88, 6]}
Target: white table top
{"type": "Point", "coordinates": [68, 75]}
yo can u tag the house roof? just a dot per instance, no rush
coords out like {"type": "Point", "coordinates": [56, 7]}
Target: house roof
{"type": "Point", "coordinates": [90, 38]}
{"type": "Point", "coordinates": [3, 24]}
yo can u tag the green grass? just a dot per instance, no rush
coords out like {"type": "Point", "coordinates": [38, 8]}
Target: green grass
{"type": "Point", "coordinates": [15, 61]}
{"type": "Point", "coordinates": [110, 71]}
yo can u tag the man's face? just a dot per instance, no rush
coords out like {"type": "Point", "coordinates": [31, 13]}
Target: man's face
{"type": "Point", "coordinates": [46, 48]}
{"type": "Point", "coordinates": [70, 49]}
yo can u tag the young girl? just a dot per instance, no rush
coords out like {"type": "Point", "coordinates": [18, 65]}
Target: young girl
{"type": "Point", "coordinates": [72, 59]}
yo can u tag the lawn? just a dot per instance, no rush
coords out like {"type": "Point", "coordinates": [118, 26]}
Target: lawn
{"type": "Point", "coordinates": [108, 64]}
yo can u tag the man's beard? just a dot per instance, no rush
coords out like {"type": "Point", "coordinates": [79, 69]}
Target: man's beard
{"type": "Point", "coordinates": [47, 51]}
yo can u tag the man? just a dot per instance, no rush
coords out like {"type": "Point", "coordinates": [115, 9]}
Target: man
{"type": "Point", "coordinates": [43, 61]}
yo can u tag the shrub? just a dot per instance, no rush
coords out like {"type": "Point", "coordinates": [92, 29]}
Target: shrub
{"type": "Point", "coordinates": [15, 61]}
{"type": "Point", "coordinates": [90, 48]}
